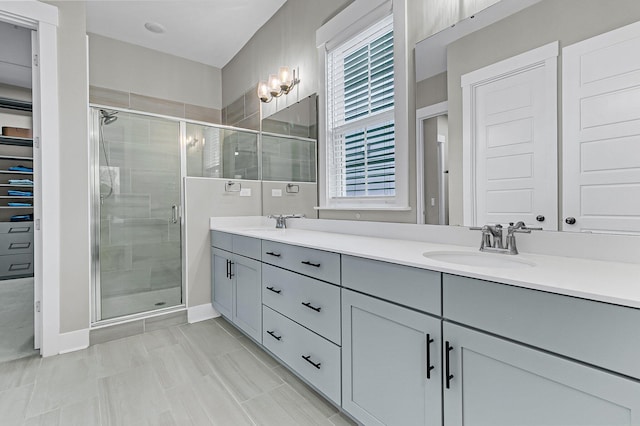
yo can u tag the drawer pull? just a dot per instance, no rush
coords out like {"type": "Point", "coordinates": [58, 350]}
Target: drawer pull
{"type": "Point", "coordinates": [19, 230]}
{"type": "Point", "coordinates": [448, 375]}
{"type": "Point", "coordinates": [308, 359]}
{"type": "Point", "coordinates": [19, 266]}
{"type": "Point", "coordinates": [310, 306]}
{"type": "Point", "coordinates": [272, 334]}
{"type": "Point", "coordinates": [306, 262]}
{"type": "Point", "coordinates": [274, 290]}
{"type": "Point", "coordinates": [429, 366]}
{"type": "Point", "coordinates": [270, 253]}
{"type": "Point", "coordinates": [19, 246]}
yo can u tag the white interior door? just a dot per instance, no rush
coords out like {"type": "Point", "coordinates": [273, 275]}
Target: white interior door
{"type": "Point", "coordinates": [601, 133]}
{"type": "Point", "coordinates": [510, 142]}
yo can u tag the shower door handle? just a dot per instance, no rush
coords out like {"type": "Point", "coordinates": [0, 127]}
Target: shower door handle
{"type": "Point", "coordinates": [174, 214]}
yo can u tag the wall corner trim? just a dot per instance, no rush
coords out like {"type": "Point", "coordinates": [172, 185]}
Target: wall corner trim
{"type": "Point", "coordinates": [201, 313]}
{"type": "Point", "coordinates": [73, 341]}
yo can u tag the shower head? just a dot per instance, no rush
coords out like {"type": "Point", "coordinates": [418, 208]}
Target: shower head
{"type": "Point", "coordinates": [108, 117]}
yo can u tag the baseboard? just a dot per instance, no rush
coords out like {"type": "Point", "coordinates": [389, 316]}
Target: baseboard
{"type": "Point", "coordinates": [73, 341]}
{"type": "Point", "coordinates": [201, 313]}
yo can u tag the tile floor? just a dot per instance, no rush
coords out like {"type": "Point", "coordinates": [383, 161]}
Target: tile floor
{"type": "Point", "coordinates": [206, 373]}
{"type": "Point", "coordinates": [16, 319]}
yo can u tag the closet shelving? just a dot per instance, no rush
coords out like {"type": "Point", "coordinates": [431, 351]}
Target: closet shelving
{"type": "Point", "coordinates": [16, 237]}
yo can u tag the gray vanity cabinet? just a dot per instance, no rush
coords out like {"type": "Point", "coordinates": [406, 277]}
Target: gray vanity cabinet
{"type": "Point", "coordinates": [390, 363]}
{"type": "Point", "coordinates": [236, 289]}
{"type": "Point", "coordinates": [496, 382]}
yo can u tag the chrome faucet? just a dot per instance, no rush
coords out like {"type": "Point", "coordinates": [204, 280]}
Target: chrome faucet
{"type": "Point", "coordinates": [281, 220]}
{"type": "Point", "coordinates": [492, 237]}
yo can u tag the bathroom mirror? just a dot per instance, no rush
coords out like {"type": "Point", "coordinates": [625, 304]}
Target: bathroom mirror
{"type": "Point", "coordinates": [498, 33]}
{"type": "Point", "coordinates": [289, 159]}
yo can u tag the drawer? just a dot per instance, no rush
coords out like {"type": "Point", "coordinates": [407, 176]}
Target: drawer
{"type": "Point", "coordinates": [245, 246]}
{"type": "Point", "coordinates": [15, 265]}
{"type": "Point", "coordinates": [16, 243]}
{"type": "Point", "coordinates": [413, 287]}
{"type": "Point", "coordinates": [315, 359]}
{"type": "Point", "coordinates": [222, 240]}
{"type": "Point", "coordinates": [312, 303]}
{"type": "Point", "coordinates": [16, 227]}
{"type": "Point", "coordinates": [593, 332]}
{"type": "Point", "coordinates": [319, 264]}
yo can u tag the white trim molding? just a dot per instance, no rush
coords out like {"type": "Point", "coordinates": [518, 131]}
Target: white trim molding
{"type": "Point", "coordinates": [423, 114]}
{"type": "Point", "coordinates": [44, 18]}
{"type": "Point", "coordinates": [201, 313]}
{"type": "Point", "coordinates": [546, 56]}
{"type": "Point", "coordinates": [73, 341]}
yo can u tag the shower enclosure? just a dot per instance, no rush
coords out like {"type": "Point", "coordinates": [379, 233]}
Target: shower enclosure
{"type": "Point", "coordinates": [137, 197]}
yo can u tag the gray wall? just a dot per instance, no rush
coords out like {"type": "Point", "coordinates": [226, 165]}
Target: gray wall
{"type": "Point", "coordinates": [128, 68]}
{"type": "Point", "coordinates": [431, 91]}
{"type": "Point", "coordinates": [75, 258]}
{"type": "Point", "coordinates": [568, 21]}
{"type": "Point", "coordinates": [287, 39]}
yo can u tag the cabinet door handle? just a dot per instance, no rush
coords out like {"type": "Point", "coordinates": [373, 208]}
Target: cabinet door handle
{"type": "Point", "coordinates": [228, 269]}
{"type": "Point", "coordinates": [308, 359]}
{"type": "Point", "coordinates": [310, 306]}
{"type": "Point", "coordinates": [449, 376]}
{"type": "Point", "coordinates": [270, 253]}
{"type": "Point", "coordinates": [274, 290]}
{"type": "Point", "coordinates": [306, 262]}
{"type": "Point", "coordinates": [429, 366]}
{"type": "Point", "coordinates": [272, 334]}
{"type": "Point", "coordinates": [231, 274]}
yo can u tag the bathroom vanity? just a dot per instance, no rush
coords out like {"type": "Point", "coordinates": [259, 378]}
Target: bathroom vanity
{"type": "Point", "coordinates": [395, 337]}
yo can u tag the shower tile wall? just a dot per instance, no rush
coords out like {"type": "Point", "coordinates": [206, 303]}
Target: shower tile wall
{"type": "Point", "coordinates": [140, 257]}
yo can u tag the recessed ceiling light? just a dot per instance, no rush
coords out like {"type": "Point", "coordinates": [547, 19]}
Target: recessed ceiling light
{"type": "Point", "coordinates": [154, 27]}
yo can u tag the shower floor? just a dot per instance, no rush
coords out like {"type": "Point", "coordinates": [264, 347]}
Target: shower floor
{"type": "Point", "coordinates": [117, 306]}
{"type": "Point", "coordinates": [16, 319]}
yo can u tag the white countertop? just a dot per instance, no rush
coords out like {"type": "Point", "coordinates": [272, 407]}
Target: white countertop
{"type": "Point", "coordinates": [605, 281]}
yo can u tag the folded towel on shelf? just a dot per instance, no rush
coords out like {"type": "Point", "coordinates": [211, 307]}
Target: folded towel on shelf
{"type": "Point", "coordinates": [20, 182]}
{"type": "Point", "coordinates": [21, 218]}
{"type": "Point", "coordinates": [21, 168]}
{"type": "Point", "coordinates": [19, 204]}
{"type": "Point", "coordinates": [14, 193]}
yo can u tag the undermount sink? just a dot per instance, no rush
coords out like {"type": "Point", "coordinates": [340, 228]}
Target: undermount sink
{"type": "Point", "coordinates": [486, 260]}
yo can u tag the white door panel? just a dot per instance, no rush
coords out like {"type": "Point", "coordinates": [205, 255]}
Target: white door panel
{"type": "Point", "coordinates": [511, 141]}
{"type": "Point", "coordinates": [601, 133]}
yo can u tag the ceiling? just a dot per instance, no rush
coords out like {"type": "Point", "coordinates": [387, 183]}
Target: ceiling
{"type": "Point", "coordinates": [206, 31]}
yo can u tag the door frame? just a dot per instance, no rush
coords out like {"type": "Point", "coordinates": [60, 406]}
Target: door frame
{"type": "Point", "coordinates": [546, 56]}
{"type": "Point", "coordinates": [422, 115]}
{"type": "Point", "coordinates": [43, 18]}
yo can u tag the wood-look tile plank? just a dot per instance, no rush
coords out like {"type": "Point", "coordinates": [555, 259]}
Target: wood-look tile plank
{"type": "Point", "coordinates": [83, 413]}
{"type": "Point", "coordinates": [18, 372]}
{"type": "Point", "coordinates": [298, 407]}
{"type": "Point", "coordinates": [165, 321]}
{"type": "Point", "coordinates": [244, 375]}
{"type": "Point", "coordinates": [340, 419]}
{"type": "Point", "coordinates": [228, 327]}
{"type": "Point", "coordinates": [319, 402]}
{"type": "Point", "coordinates": [131, 397]}
{"type": "Point", "coordinates": [120, 355]}
{"type": "Point", "coordinates": [51, 418]}
{"type": "Point", "coordinates": [206, 401]}
{"type": "Point", "coordinates": [63, 380]}
{"type": "Point", "coordinates": [210, 339]}
{"type": "Point", "coordinates": [283, 406]}
{"type": "Point", "coordinates": [14, 402]}
{"type": "Point", "coordinates": [176, 365]}
{"type": "Point", "coordinates": [258, 352]}
{"type": "Point", "coordinates": [162, 338]}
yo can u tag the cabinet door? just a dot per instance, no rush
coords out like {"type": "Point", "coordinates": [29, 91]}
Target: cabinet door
{"type": "Point", "coordinates": [247, 303]}
{"type": "Point", "coordinates": [385, 352]}
{"type": "Point", "coordinates": [221, 282]}
{"type": "Point", "coordinates": [496, 382]}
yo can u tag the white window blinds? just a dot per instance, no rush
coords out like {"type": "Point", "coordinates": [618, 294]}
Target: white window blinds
{"type": "Point", "coordinates": [360, 114]}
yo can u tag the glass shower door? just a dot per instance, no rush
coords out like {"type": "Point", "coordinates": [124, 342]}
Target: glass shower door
{"type": "Point", "coordinates": [139, 253]}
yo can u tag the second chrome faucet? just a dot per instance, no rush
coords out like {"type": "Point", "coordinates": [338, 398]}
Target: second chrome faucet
{"type": "Point", "coordinates": [492, 240]}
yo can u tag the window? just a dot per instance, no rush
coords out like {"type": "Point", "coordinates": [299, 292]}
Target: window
{"type": "Point", "coordinates": [360, 115]}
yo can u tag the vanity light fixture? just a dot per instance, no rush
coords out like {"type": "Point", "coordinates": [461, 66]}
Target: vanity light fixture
{"type": "Point", "coordinates": [278, 85]}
